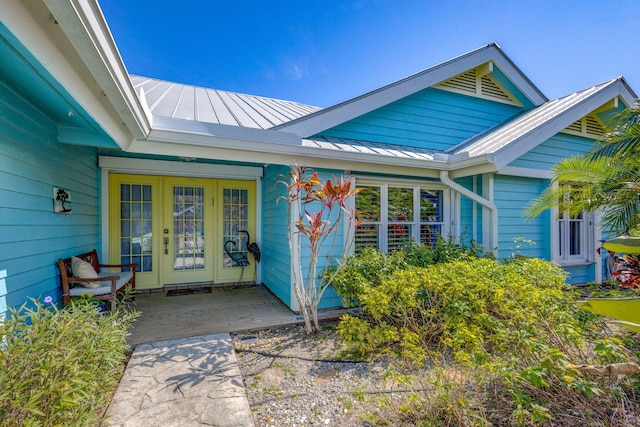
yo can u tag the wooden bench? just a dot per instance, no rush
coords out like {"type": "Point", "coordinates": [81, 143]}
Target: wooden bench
{"type": "Point", "coordinates": [110, 283]}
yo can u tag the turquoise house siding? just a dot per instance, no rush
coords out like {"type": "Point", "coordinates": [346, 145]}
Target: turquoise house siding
{"type": "Point", "coordinates": [580, 273]}
{"type": "Point", "coordinates": [276, 270]}
{"type": "Point", "coordinates": [470, 222]}
{"type": "Point", "coordinates": [432, 118]}
{"type": "Point", "coordinates": [32, 162]}
{"type": "Point", "coordinates": [330, 297]}
{"type": "Point", "coordinates": [544, 157]}
{"type": "Point", "coordinates": [550, 152]}
{"type": "Point", "coordinates": [511, 195]}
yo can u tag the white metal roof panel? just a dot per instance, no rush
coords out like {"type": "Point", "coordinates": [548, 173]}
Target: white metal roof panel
{"type": "Point", "coordinates": [195, 103]}
{"type": "Point", "coordinates": [375, 148]}
{"type": "Point", "coordinates": [497, 138]}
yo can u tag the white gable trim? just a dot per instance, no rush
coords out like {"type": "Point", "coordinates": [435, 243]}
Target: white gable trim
{"type": "Point", "coordinates": [519, 146]}
{"type": "Point", "coordinates": [340, 113]}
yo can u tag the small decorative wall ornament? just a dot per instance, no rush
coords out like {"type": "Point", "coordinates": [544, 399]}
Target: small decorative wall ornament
{"type": "Point", "coordinates": [61, 201]}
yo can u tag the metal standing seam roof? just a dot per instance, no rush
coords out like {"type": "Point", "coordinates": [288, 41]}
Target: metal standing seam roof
{"type": "Point", "coordinates": [180, 101]}
{"type": "Point", "coordinates": [497, 138]}
{"type": "Point", "coordinates": [377, 148]}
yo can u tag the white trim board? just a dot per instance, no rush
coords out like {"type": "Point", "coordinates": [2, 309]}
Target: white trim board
{"type": "Point", "coordinates": [169, 168]}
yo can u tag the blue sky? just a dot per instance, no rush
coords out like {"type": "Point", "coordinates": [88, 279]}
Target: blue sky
{"type": "Point", "coordinates": [324, 52]}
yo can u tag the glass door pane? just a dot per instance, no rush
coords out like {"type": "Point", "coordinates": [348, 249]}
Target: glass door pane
{"type": "Point", "coordinates": [236, 222]}
{"type": "Point", "coordinates": [188, 228]}
{"type": "Point", "coordinates": [135, 218]}
{"type": "Point", "coordinates": [136, 224]}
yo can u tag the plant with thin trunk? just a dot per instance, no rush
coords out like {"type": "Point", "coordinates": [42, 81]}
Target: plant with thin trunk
{"type": "Point", "coordinates": [316, 210]}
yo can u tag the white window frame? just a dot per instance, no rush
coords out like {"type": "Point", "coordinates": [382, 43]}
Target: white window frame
{"type": "Point", "coordinates": [415, 223]}
{"type": "Point", "coordinates": [563, 239]}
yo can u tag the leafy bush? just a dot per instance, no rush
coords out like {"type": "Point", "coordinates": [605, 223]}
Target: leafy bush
{"type": "Point", "coordinates": [445, 250]}
{"type": "Point", "coordinates": [370, 267]}
{"type": "Point", "coordinates": [511, 328]}
{"type": "Point", "coordinates": [60, 366]}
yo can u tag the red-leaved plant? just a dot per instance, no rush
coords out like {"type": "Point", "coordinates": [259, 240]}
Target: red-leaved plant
{"type": "Point", "coordinates": [316, 210]}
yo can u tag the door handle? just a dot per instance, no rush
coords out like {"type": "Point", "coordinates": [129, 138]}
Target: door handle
{"type": "Point", "coordinates": [166, 246]}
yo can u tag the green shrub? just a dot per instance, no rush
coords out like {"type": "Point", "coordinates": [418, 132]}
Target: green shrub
{"type": "Point", "coordinates": [370, 267]}
{"type": "Point", "coordinates": [60, 366]}
{"type": "Point", "coordinates": [445, 250]}
{"type": "Point", "coordinates": [511, 327]}
{"type": "Point", "coordinates": [362, 271]}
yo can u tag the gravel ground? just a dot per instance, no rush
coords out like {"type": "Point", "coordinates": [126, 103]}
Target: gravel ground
{"type": "Point", "coordinates": [284, 389]}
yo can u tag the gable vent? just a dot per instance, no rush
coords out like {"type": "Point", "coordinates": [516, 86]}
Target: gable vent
{"type": "Point", "coordinates": [490, 88]}
{"type": "Point", "coordinates": [479, 84]}
{"type": "Point", "coordinates": [588, 126]}
{"type": "Point", "coordinates": [465, 82]}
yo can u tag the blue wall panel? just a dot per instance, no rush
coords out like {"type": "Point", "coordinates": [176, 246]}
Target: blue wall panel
{"type": "Point", "coordinates": [550, 152]}
{"type": "Point", "coordinates": [431, 118]}
{"type": "Point", "coordinates": [511, 195]}
{"type": "Point", "coordinates": [32, 162]}
{"type": "Point", "coordinates": [470, 226]}
{"type": "Point", "coordinates": [277, 260]}
{"type": "Point", "coordinates": [276, 270]}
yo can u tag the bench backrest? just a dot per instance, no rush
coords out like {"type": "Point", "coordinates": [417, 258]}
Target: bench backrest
{"type": "Point", "coordinates": [65, 264]}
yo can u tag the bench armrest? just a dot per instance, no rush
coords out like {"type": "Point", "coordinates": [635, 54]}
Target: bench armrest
{"type": "Point", "coordinates": [132, 266]}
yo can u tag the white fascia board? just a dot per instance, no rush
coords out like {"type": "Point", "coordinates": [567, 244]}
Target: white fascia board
{"type": "Point", "coordinates": [84, 25]}
{"type": "Point", "coordinates": [532, 139]}
{"type": "Point", "coordinates": [165, 167]}
{"type": "Point", "coordinates": [481, 166]}
{"type": "Point", "coordinates": [525, 172]}
{"type": "Point", "coordinates": [179, 130]}
{"type": "Point", "coordinates": [340, 113]}
{"type": "Point", "coordinates": [348, 110]}
{"type": "Point", "coordinates": [519, 79]}
{"type": "Point", "coordinates": [256, 143]}
{"type": "Point", "coordinates": [32, 23]}
{"type": "Point", "coordinates": [281, 155]}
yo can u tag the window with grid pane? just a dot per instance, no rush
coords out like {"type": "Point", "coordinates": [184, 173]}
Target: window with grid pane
{"type": "Point", "coordinates": [235, 219]}
{"type": "Point", "coordinates": [136, 225]}
{"type": "Point", "coordinates": [395, 215]}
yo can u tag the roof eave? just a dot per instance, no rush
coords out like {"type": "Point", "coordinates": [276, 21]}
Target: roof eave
{"type": "Point", "coordinates": [516, 148]}
{"type": "Point", "coordinates": [84, 25]}
{"type": "Point", "coordinates": [339, 113]}
{"type": "Point", "coordinates": [223, 142]}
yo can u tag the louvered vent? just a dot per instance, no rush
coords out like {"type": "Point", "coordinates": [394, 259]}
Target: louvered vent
{"type": "Point", "coordinates": [575, 127]}
{"type": "Point", "coordinates": [587, 126]}
{"type": "Point", "coordinates": [594, 127]}
{"type": "Point", "coordinates": [489, 88]}
{"type": "Point", "coordinates": [465, 82]}
{"type": "Point", "coordinates": [471, 84]}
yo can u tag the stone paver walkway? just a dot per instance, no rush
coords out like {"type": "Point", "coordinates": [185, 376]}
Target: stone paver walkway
{"type": "Point", "coordinates": [185, 382]}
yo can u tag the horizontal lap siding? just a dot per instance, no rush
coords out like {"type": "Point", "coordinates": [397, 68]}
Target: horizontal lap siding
{"type": "Point", "coordinates": [466, 215]}
{"type": "Point", "coordinates": [511, 196]}
{"type": "Point", "coordinates": [32, 162]}
{"type": "Point", "coordinates": [432, 118]}
{"type": "Point", "coordinates": [550, 152]}
{"type": "Point", "coordinates": [581, 273]}
{"type": "Point", "coordinates": [330, 297]}
{"type": "Point", "coordinates": [276, 262]}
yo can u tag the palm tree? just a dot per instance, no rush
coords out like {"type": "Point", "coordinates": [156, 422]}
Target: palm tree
{"type": "Point", "coordinates": [607, 178]}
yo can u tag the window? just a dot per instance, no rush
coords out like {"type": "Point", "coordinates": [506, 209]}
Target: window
{"type": "Point", "coordinates": [571, 237]}
{"type": "Point", "coordinates": [397, 214]}
{"type": "Point", "coordinates": [574, 235]}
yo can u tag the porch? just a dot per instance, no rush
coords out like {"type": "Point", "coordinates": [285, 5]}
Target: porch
{"type": "Point", "coordinates": [224, 309]}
